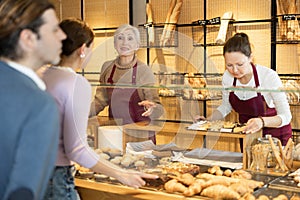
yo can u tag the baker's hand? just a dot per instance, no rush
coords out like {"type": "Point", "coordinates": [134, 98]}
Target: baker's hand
{"type": "Point", "coordinates": [135, 179]}
{"type": "Point", "coordinates": [198, 118]}
{"type": "Point", "coordinates": [148, 107]}
{"type": "Point", "coordinates": [253, 125]}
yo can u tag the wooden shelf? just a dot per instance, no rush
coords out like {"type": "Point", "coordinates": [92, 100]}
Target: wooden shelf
{"type": "Point", "coordinates": [98, 190]}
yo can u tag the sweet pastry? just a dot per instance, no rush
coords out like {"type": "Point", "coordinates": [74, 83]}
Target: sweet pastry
{"type": "Point", "coordinates": [228, 124]}
{"type": "Point", "coordinates": [239, 129]}
{"type": "Point", "coordinates": [178, 168]}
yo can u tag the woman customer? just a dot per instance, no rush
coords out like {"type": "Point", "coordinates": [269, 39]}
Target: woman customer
{"type": "Point", "coordinates": [264, 110]}
{"type": "Point", "coordinates": [72, 93]}
{"type": "Point", "coordinates": [129, 105]}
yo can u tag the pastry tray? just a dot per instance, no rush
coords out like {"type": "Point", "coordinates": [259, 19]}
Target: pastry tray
{"type": "Point", "coordinates": [284, 183]}
{"type": "Point", "coordinates": [266, 178]}
{"type": "Point", "coordinates": [272, 193]}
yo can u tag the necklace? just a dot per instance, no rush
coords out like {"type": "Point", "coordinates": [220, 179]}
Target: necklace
{"type": "Point", "coordinates": [128, 66]}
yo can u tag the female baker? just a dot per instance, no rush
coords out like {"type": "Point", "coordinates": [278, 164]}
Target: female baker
{"type": "Point", "coordinates": [129, 105]}
{"type": "Point", "coordinates": [264, 110]}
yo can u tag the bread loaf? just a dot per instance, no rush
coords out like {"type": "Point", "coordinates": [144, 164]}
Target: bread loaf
{"type": "Point", "coordinates": [170, 23]}
{"type": "Point", "coordinates": [149, 13]}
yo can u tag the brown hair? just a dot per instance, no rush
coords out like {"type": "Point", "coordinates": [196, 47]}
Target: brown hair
{"type": "Point", "coordinates": [15, 16]}
{"type": "Point", "coordinates": [78, 33]}
{"type": "Point", "coordinates": [238, 43]}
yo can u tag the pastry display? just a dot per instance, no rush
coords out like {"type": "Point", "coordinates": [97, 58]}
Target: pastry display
{"type": "Point", "coordinates": [178, 168]}
{"type": "Point", "coordinates": [218, 126]}
{"type": "Point", "coordinates": [197, 85]}
{"type": "Point", "coordinates": [213, 186]}
{"type": "Point", "coordinates": [259, 156]}
{"type": "Point", "coordinates": [228, 124]}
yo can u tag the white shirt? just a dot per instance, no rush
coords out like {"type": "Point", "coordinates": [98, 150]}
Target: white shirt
{"type": "Point", "coordinates": [268, 79]}
{"type": "Point", "coordinates": [28, 72]}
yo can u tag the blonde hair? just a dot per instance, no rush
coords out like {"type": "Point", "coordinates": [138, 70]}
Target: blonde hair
{"type": "Point", "coordinates": [126, 27]}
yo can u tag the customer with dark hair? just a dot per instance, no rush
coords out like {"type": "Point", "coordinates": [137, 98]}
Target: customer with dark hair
{"type": "Point", "coordinates": [73, 96]}
{"type": "Point", "coordinates": [29, 38]}
{"type": "Point", "coordinates": [268, 110]}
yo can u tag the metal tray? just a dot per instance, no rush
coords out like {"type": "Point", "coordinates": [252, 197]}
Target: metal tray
{"type": "Point", "coordinates": [272, 193]}
{"type": "Point", "coordinates": [285, 183]}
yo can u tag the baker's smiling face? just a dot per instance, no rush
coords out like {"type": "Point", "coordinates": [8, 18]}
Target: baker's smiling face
{"type": "Point", "coordinates": [126, 43]}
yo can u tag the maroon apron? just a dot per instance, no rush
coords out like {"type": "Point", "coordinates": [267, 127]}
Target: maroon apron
{"type": "Point", "coordinates": [123, 103]}
{"type": "Point", "coordinates": [256, 107]}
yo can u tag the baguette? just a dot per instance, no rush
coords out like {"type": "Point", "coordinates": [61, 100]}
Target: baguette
{"type": "Point", "coordinates": [171, 7]}
{"type": "Point", "coordinates": [171, 20]}
{"type": "Point", "coordinates": [221, 38]}
{"type": "Point", "coordinates": [280, 162]}
{"type": "Point", "coordinates": [150, 21]}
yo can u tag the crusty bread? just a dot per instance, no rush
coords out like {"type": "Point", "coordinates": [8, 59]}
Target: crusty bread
{"type": "Point", "coordinates": [150, 20]}
{"type": "Point", "coordinates": [171, 20]}
{"type": "Point", "coordinates": [149, 13]}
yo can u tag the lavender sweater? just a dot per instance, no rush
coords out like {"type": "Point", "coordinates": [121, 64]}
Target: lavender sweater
{"type": "Point", "coordinates": [72, 93]}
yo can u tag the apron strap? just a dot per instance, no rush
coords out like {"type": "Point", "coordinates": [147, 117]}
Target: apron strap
{"type": "Point", "coordinates": [134, 74]}
{"type": "Point", "coordinates": [110, 79]}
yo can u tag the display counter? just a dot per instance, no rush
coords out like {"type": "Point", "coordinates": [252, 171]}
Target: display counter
{"type": "Point", "coordinates": [90, 190]}
{"type": "Point", "coordinates": [177, 132]}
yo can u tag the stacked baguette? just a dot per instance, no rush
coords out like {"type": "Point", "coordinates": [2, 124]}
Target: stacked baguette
{"type": "Point", "coordinates": [170, 23]}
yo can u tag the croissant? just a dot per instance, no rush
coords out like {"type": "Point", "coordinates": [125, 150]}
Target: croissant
{"type": "Point", "coordinates": [216, 181]}
{"type": "Point", "coordinates": [214, 169]}
{"type": "Point", "coordinates": [281, 197]}
{"type": "Point", "coordinates": [239, 173]}
{"type": "Point", "coordinates": [241, 188]}
{"type": "Point", "coordinates": [195, 188]}
{"type": "Point", "coordinates": [174, 186]}
{"type": "Point", "coordinates": [263, 197]}
{"type": "Point", "coordinates": [248, 196]}
{"type": "Point", "coordinates": [227, 172]}
{"type": "Point", "coordinates": [220, 192]}
{"type": "Point", "coordinates": [186, 178]}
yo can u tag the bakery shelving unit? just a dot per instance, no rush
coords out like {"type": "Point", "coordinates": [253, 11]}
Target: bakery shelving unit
{"type": "Point", "coordinates": [287, 41]}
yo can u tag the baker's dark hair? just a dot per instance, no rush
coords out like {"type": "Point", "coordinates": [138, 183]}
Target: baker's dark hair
{"type": "Point", "coordinates": [238, 43]}
{"type": "Point", "coordinates": [15, 16]}
{"type": "Point", "coordinates": [78, 33]}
